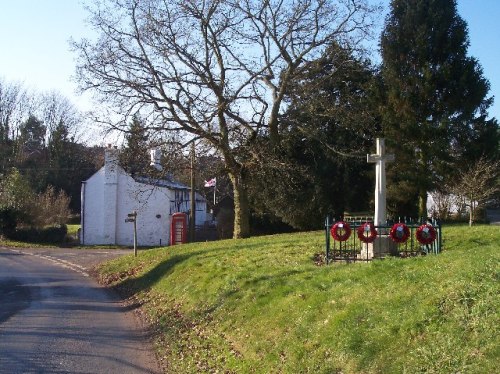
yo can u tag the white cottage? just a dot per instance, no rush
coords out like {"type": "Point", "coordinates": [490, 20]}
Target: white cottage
{"type": "Point", "coordinates": [111, 194]}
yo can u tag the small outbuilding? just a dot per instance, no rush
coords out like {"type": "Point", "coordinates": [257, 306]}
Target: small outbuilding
{"type": "Point", "coordinates": [111, 194]}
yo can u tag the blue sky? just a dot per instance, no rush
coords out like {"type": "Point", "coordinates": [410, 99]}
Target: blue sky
{"type": "Point", "coordinates": [34, 44]}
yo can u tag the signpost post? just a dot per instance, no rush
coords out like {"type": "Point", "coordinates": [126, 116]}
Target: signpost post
{"type": "Point", "coordinates": [132, 217]}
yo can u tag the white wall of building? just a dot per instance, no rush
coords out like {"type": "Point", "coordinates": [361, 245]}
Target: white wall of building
{"type": "Point", "coordinates": [152, 206]}
{"type": "Point", "coordinates": [92, 217]}
{"type": "Point", "coordinates": [111, 194]}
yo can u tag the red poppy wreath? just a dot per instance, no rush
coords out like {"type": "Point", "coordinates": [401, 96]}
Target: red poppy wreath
{"type": "Point", "coordinates": [426, 234]}
{"type": "Point", "coordinates": [341, 231]}
{"type": "Point", "coordinates": [399, 233]}
{"type": "Point", "coordinates": [367, 232]}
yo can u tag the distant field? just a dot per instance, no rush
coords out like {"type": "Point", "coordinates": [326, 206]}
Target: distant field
{"type": "Point", "coordinates": [73, 230]}
{"type": "Point", "coordinates": [261, 305]}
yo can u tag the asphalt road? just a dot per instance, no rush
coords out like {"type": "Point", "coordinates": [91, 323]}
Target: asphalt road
{"type": "Point", "coordinates": [54, 318]}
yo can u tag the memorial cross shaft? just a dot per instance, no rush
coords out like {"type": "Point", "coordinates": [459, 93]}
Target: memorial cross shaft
{"type": "Point", "coordinates": [379, 159]}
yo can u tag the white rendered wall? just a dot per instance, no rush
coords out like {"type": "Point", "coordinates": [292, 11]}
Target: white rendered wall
{"type": "Point", "coordinates": [92, 217]}
{"type": "Point", "coordinates": [111, 194]}
{"type": "Point", "coordinates": [201, 214]}
{"type": "Point", "coordinates": [111, 172]}
{"type": "Point", "coordinates": [103, 221]}
{"type": "Point", "coordinates": [152, 206]}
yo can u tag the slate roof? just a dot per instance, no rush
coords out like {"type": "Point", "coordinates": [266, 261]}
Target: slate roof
{"type": "Point", "coordinates": [167, 183]}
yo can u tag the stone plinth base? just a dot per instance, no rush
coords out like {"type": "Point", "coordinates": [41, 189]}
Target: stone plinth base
{"type": "Point", "coordinates": [382, 246]}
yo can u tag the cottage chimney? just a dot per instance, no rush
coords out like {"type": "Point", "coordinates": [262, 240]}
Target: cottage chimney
{"type": "Point", "coordinates": [156, 159]}
{"type": "Point", "coordinates": [110, 193]}
{"type": "Point", "coordinates": [110, 156]}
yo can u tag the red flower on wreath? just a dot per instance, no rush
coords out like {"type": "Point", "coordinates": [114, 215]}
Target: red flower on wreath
{"type": "Point", "coordinates": [341, 231]}
{"type": "Point", "coordinates": [426, 234]}
{"type": "Point", "coordinates": [399, 233]}
{"type": "Point", "coordinates": [367, 232]}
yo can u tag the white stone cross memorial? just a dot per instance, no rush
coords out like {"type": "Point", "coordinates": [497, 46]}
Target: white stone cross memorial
{"type": "Point", "coordinates": [380, 158]}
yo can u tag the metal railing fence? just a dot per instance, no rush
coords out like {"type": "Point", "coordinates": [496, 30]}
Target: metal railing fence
{"type": "Point", "coordinates": [355, 250]}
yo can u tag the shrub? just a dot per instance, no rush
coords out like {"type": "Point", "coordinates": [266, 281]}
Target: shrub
{"type": "Point", "coordinates": [16, 197]}
{"type": "Point", "coordinates": [21, 204]}
{"type": "Point", "coordinates": [52, 234]}
{"type": "Point", "coordinates": [51, 208]}
{"type": "Point", "coordinates": [225, 223]}
{"type": "Point", "coordinates": [8, 221]}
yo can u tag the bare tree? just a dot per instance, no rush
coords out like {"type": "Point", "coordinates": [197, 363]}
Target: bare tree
{"type": "Point", "coordinates": [12, 96]}
{"type": "Point", "coordinates": [477, 184]}
{"type": "Point", "coordinates": [54, 109]}
{"type": "Point", "coordinates": [215, 70]}
{"type": "Point", "coordinates": [443, 204]}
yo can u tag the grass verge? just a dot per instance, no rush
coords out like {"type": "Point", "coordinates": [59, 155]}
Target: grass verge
{"type": "Point", "coordinates": [261, 305]}
{"type": "Point", "coordinates": [71, 241]}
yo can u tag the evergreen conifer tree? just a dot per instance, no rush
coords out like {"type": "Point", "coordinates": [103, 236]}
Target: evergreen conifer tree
{"type": "Point", "coordinates": [435, 96]}
{"type": "Point", "coordinates": [134, 157]}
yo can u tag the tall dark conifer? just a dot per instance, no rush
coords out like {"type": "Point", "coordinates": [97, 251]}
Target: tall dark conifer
{"type": "Point", "coordinates": [134, 157]}
{"type": "Point", "coordinates": [326, 132]}
{"type": "Point", "coordinates": [436, 96]}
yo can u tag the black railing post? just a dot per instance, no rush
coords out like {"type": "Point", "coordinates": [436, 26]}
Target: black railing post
{"type": "Point", "coordinates": [327, 237]}
{"type": "Point", "coordinates": [352, 249]}
{"type": "Point", "coordinates": [440, 237]}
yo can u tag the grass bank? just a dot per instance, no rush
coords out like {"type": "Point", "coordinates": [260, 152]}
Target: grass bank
{"type": "Point", "coordinates": [261, 305]}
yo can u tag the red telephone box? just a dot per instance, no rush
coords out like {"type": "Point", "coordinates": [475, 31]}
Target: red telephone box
{"type": "Point", "coordinates": [178, 228]}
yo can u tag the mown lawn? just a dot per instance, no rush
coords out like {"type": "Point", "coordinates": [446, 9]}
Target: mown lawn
{"type": "Point", "coordinates": [261, 305]}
